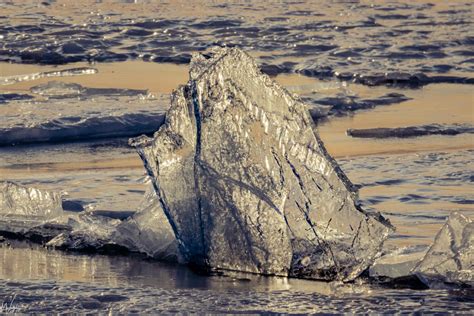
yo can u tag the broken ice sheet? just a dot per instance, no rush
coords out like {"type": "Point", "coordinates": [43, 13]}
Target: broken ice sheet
{"type": "Point", "coordinates": [91, 114]}
{"type": "Point", "coordinates": [147, 231]}
{"type": "Point", "coordinates": [82, 232]}
{"type": "Point", "coordinates": [412, 131]}
{"type": "Point", "coordinates": [58, 89]}
{"type": "Point", "coordinates": [38, 215]}
{"type": "Point", "coordinates": [48, 74]}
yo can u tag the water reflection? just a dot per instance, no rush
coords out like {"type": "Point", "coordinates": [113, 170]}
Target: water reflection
{"type": "Point", "coordinates": [23, 261]}
{"type": "Point", "coordinates": [42, 281]}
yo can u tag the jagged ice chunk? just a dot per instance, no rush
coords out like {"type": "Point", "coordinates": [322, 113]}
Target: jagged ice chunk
{"type": "Point", "coordinates": [247, 184]}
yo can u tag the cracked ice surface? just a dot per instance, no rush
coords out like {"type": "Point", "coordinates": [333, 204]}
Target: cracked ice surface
{"type": "Point", "coordinates": [247, 184]}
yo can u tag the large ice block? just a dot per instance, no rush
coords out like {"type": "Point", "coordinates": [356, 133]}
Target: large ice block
{"type": "Point", "coordinates": [246, 183]}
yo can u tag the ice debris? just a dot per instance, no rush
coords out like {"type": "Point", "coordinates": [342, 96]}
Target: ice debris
{"type": "Point", "coordinates": [448, 262]}
{"type": "Point", "coordinates": [82, 232]}
{"type": "Point", "coordinates": [397, 264]}
{"type": "Point", "coordinates": [149, 231]}
{"type": "Point", "coordinates": [48, 74]}
{"type": "Point", "coordinates": [451, 257]}
{"type": "Point", "coordinates": [394, 268]}
{"type": "Point", "coordinates": [19, 200]}
{"type": "Point", "coordinates": [412, 131]}
{"type": "Point", "coordinates": [58, 89]}
{"type": "Point", "coordinates": [246, 182]}
{"type": "Point", "coordinates": [38, 215]}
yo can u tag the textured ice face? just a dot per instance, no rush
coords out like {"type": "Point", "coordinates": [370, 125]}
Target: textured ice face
{"type": "Point", "coordinates": [28, 201]}
{"type": "Point", "coordinates": [247, 184]}
{"type": "Point", "coordinates": [38, 215]}
{"type": "Point", "coordinates": [148, 231]}
{"type": "Point", "coordinates": [82, 232]}
{"type": "Point", "coordinates": [451, 257]}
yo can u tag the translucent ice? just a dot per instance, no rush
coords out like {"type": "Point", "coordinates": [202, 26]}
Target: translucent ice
{"type": "Point", "coordinates": [48, 74]}
{"type": "Point", "coordinates": [149, 231]}
{"type": "Point", "coordinates": [19, 200]}
{"type": "Point", "coordinates": [247, 184]}
{"type": "Point", "coordinates": [451, 257]}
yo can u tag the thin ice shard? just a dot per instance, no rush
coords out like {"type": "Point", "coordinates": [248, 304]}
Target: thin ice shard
{"type": "Point", "coordinates": [148, 231]}
{"type": "Point", "coordinates": [451, 257]}
{"type": "Point", "coordinates": [48, 74]}
{"type": "Point", "coordinates": [247, 184]}
{"type": "Point", "coordinates": [412, 131]}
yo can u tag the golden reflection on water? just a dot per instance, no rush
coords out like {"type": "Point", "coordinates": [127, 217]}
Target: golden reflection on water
{"type": "Point", "coordinates": [80, 11]}
{"type": "Point", "coordinates": [156, 77]}
{"type": "Point", "coordinates": [31, 262]}
{"type": "Point", "coordinates": [437, 103]}
{"type": "Point", "coordinates": [34, 262]}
